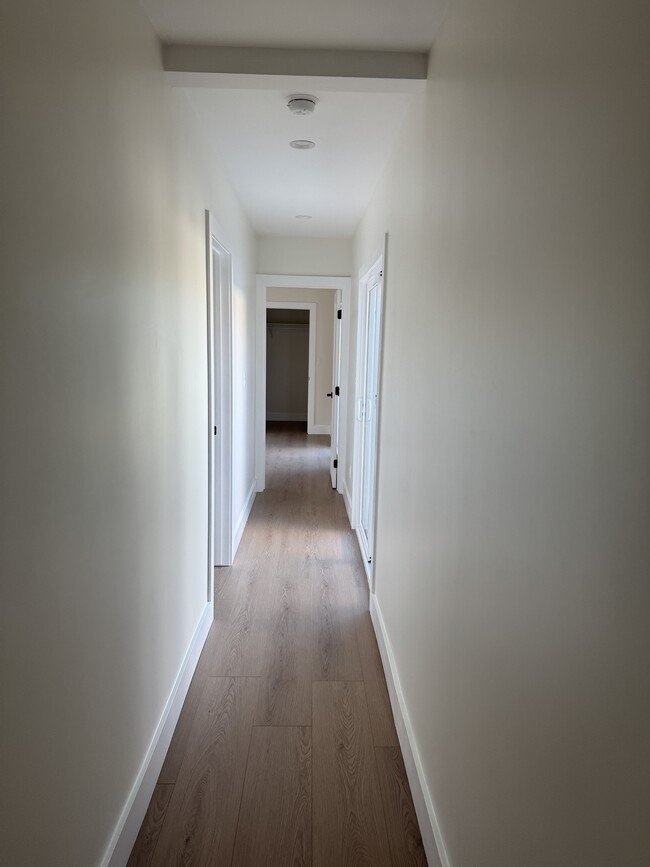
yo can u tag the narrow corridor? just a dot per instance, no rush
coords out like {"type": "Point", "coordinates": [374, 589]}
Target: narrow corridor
{"type": "Point", "coordinates": [285, 752]}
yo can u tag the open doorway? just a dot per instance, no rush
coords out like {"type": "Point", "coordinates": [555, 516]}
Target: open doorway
{"type": "Point", "coordinates": [318, 294]}
{"type": "Point", "coordinates": [291, 362]}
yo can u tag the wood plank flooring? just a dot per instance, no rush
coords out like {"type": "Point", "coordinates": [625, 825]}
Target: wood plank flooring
{"type": "Point", "coordinates": [285, 752]}
{"type": "Point", "coordinates": [275, 815]}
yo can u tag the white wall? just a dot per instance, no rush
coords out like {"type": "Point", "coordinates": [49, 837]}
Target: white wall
{"type": "Point", "coordinates": [287, 371]}
{"type": "Point", "coordinates": [104, 489]}
{"type": "Point", "coordinates": [324, 300]}
{"type": "Point", "coordinates": [327, 257]}
{"type": "Point", "coordinates": [239, 238]}
{"type": "Point", "coordinates": [513, 563]}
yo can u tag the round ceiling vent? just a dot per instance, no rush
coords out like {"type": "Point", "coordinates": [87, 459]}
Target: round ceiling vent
{"type": "Point", "coordinates": [302, 103]}
{"type": "Point", "coordinates": [302, 144]}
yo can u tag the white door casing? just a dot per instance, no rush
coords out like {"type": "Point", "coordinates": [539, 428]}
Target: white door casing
{"type": "Point", "coordinates": [367, 407]}
{"type": "Point", "coordinates": [336, 389]}
{"type": "Point", "coordinates": [220, 400]}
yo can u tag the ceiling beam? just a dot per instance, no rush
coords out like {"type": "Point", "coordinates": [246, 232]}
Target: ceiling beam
{"type": "Point", "coordinates": [202, 60]}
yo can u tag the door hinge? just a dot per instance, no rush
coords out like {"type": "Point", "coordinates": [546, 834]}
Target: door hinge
{"type": "Point", "coordinates": [339, 314]}
{"type": "Point", "coordinates": [337, 391]}
{"type": "Point", "coordinates": [336, 463]}
{"type": "Point", "coordinates": [215, 430]}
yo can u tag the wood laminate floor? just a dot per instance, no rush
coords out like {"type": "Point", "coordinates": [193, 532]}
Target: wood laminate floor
{"type": "Point", "coordinates": [285, 752]}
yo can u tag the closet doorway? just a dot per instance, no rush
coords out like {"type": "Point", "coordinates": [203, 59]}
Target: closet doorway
{"type": "Point", "coordinates": [290, 361]}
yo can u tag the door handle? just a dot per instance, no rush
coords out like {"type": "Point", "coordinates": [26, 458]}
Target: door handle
{"type": "Point", "coordinates": [329, 394]}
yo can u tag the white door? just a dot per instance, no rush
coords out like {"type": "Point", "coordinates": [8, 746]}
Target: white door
{"type": "Point", "coordinates": [368, 403]}
{"type": "Point", "coordinates": [219, 319]}
{"type": "Point", "coordinates": [336, 388]}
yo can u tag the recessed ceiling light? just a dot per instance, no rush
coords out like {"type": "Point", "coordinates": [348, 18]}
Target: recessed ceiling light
{"type": "Point", "coordinates": [302, 144]}
{"type": "Point", "coordinates": [303, 216]}
{"type": "Point", "coordinates": [301, 103]}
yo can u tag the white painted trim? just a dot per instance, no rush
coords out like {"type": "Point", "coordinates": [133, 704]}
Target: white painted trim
{"type": "Point", "coordinates": [321, 429]}
{"type": "Point", "coordinates": [337, 325]}
{"type": "Point", "coordinates": [346, 403]}
{"type": "Point", "coordinates": [220, 413]}
{"type": "Point", "coordinates": [124, 836]}
{"type": "Point", "coordinates": [378, 264]}
{"type": "Point", "coordinates": [243, 519]}
{"type": "Point", "coordinates": [348, 502]}
{"type": "Point", "coordinates": [312, 309]}
{"type": "Point", "coordinates": [209, 296]}
{"type": "Point", "coordinates": [434, 846]}
{"type": "Point", "coordinates": [260, 385]}
{"type": "Point", "coordinates": [286, 416]}
{"type": "Point", "coordinates": [291, 281]}
{"type": "Point", "coordinates": [366, 565]}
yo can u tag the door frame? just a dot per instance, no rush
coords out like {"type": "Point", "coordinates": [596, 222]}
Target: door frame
{"type": "Point", "coordinates": [377, 262]}
{"type": "Point", "coordinates": [335, 429]}
{"type": "Point", "coordinates": [312, 308]}
{"type": "Point", "coordinates": [220, 399]}
{"type": "Point", "coordinates": [292, 281]}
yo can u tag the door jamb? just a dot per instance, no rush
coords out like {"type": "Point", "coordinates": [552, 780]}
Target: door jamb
{"type": "Point", "coordinates": [220, 411]}
{"type": "Point", "coordinates": [336, 382]}
{"type": "Point", "coordinates": [380, 257]}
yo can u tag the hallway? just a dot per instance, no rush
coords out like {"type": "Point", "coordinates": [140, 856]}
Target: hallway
{"type": "Point", "coordinates": [285, 752]}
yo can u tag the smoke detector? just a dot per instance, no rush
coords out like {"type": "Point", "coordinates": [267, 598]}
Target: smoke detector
{"type": "Point", "coordinates": [301, 103]}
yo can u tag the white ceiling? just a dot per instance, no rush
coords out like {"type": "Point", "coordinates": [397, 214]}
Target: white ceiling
{"type": "Point", "coordinates": [249, 126]}
{"type": "Point", "coordinates": [397, 25]}
{"type": "Point", "coordinates": [250, 131]}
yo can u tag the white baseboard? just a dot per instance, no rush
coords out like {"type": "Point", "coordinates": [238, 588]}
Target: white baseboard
{"type": "Point", "coordinates": [320, 429]}
{"type": "Point", "coordinates": [366, 565]}
{"type": "Point", "coordinates": [121, 843]}
{"type": "Point", "coordinates": [347, 499]}
{"type": "Point", "coordinates": [286, 416]}
{"type": "Point", "coordinates": [434, 846]}
{"type": "Point", "coordinates": [243, 518]}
